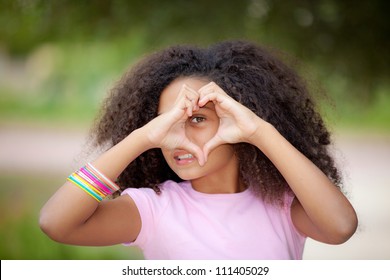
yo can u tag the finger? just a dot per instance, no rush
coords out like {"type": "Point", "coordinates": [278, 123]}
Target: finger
{"type": "Point", "coordinates": [209, 88]}
{"type": "Point", "coordinates": [185, 101]}
{"type": "Point", "coordinates": [212, 86]}
{"type": "Point", "coordinates": [212, 92]}
{"type": "Point", "coordinates": [188, 107]}
{"type": "Point", "coordinates": [206, 90]}
{"type": "Point", "coordinates": [193, 103]}
{"type": "Point", "coordinates": [197, 152]}
{"type": "Point", "coordinates": [187, 92]}
{"type": "Point", "coordinates": [190, 95]}
{"type": "Point", "coordinates": [215, 97]}
{"type": "Point", "coordinates": [211, 145]}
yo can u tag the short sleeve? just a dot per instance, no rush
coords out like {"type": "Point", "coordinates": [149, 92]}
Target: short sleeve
{"type": "Point", "coordinates": [147, 204]}
{"type": "Point", "coordinates": [288, 200]}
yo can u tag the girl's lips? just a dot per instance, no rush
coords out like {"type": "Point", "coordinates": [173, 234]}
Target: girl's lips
{"type": "Point", "coordinates": [183, 157]}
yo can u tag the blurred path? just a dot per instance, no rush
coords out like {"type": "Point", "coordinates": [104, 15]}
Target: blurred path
{"type": "Point", "coordinates": [366, 160]}
{"type": "Point", "coordinates": [40, 149]}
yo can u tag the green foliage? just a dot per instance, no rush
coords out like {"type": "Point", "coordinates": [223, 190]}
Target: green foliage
{"type": "Point", "coordinates": [70, 52]}
{"type": "Point", "coordinates": [65, 81]}
{"type": "Point", "coordinates": [352, 34]}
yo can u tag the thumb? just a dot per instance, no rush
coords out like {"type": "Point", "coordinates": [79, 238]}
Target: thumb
{"type": "Point", "coordinates": [211, 145]}
{"type": "Point", "coordinates": [195, 150]}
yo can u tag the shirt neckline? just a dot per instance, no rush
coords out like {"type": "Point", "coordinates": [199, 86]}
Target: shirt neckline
{"type": "Point", "coordinates": [188, 186]}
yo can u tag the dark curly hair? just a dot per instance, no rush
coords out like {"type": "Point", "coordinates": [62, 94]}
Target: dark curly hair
{"type": "Point", "coordinates": [247, 72]}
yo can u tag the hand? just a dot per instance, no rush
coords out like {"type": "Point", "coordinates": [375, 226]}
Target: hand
{"type": "Point", "coordinates": [167, 131]}
{"type": "Point", "coordinates": [237, 123]}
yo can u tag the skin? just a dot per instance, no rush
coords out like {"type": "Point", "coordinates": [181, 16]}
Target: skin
{"type": "Point", "coordinates": [197, 117]}
{"type": "Point", "coordinates": [200, 125]}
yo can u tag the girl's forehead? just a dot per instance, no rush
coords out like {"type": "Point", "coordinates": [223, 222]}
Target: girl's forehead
{"type": "Point", "coordinates": [171, 92]}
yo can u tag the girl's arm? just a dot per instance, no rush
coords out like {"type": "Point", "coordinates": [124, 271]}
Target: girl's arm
{"type": "Point", "coordinates": [72, 216]}
{"type": "Point", "coordinates": [320, 210]}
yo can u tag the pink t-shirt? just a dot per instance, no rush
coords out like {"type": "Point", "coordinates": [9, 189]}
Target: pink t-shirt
{"type": "Point", "coordinates": [182, 223]}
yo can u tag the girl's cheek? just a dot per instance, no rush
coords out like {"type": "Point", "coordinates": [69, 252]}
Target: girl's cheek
{"type": "Point", "coordinates": [166, 155]}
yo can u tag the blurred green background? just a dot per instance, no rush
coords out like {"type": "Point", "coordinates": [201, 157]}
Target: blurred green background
{"type": "Point", "coordinates": [59, 58]}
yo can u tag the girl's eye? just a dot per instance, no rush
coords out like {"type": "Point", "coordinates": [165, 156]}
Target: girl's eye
{"type": "Point", "coordinates": [197, 119]}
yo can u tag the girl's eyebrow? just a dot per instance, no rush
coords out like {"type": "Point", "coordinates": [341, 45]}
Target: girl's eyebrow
{"type": "Point", "coordinates": [208, 106]}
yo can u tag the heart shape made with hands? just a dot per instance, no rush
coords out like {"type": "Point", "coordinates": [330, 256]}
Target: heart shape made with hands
{"type": "Point", "coordinates": [234, 118]}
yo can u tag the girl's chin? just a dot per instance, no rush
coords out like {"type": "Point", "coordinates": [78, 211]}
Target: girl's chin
{"type": "Point", "coordinates": [187, 176]}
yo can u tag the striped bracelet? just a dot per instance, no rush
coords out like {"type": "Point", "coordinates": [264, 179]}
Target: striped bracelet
{"type": "Point", "coordinates": [93, 182]}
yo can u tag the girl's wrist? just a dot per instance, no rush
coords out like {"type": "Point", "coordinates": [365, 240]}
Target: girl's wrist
{"type": "Point", "coordinates": [141, 136]}
{"type": "Point", "coordinates": [268, 139]}
{"type": "Point", "coordinates": [260, 132]}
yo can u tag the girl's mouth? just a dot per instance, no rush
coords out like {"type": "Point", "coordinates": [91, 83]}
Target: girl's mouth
{"type": "Point", "coordinates": [183, 158]}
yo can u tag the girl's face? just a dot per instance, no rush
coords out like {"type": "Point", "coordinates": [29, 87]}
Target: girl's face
{"type": "Point", "coordinates": [199, 129]}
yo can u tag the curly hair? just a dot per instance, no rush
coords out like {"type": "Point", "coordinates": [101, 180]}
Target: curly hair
{"type": "Point", "coordinates": [247, 72]}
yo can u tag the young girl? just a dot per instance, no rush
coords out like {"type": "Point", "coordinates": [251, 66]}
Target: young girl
{"type": "Point", "coordinates": [218, 154]}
